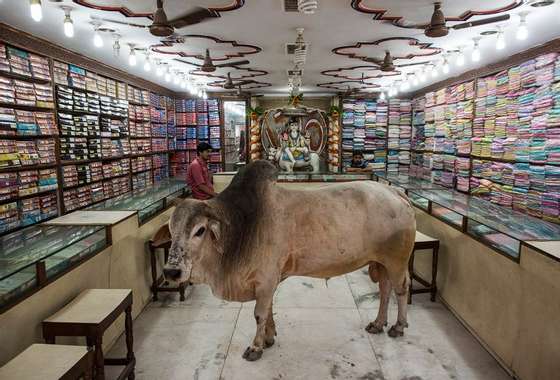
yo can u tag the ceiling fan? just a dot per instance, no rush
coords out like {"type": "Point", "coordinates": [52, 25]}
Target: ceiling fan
{"type": "Point", "coordinates": [229, 85]}
{"type": "Point", "coordinates": [385, 65]}
{"type": "Point", "coordinates": [437, 26]}
{"type": "Point", "coordinates": [162, 27]}
{"type": "Point", "coordinates": [209, 67]}
{"type": "Point", "coordinates": [239, 92]}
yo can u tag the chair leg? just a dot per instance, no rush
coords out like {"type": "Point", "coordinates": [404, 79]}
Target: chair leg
{"type": "Point", "coordinates": [129, 339]}
{"type": "Point", "coordinates": [410, 273]}
{"type": "Point", "coordinates": [153, 263]}
{"type": "Point", "coordinates": [99, 360]}
{"type": "Point", "coordinates": [433, 289]}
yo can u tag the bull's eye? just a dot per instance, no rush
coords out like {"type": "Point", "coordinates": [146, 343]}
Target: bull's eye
{"type": "Point", "coordinates": [200, 231]}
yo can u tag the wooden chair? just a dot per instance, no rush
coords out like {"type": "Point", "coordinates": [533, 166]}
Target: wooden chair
{"type": "Point", "coordinates": [89, 315]}
{"type": "Point", "coordinates": [424, 242]}
{"type": "Point", "coordinates": [50, 362]}
{"type": "Point", "coordinates": [162, 240]}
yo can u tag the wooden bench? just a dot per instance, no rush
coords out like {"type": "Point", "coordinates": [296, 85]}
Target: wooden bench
{"type": "Point", "coordinates": [162, 240]}
{"type": "Point", "coordinates": [89, 315]}
{"type": "Point", "coordinates": [50, 362]}
{"type": "Point", "coordinates": [423, 241]}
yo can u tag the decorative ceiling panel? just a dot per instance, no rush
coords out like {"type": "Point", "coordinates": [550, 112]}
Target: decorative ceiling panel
{"type": "Point", "coordinates": [145, 8]}
{"type": "Point", "coordinates": [236, 72]}
{"type": "Point", "coordinates": [401, 48]}
{"type": "Point", "coordinates": [354, 85]}
{"type": "Point", "coordinates": [420, 11]}
{"type": "Point", "coordinates": [195, 45]}
{"type": "Point", "coordinates": [355, 73]}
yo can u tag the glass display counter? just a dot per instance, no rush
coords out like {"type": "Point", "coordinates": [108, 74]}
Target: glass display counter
{"type": "Point", "coordinates": [148, 202]}
{"type": "Point", "coordinates": [32, 257]}
{"type": "Point", "coordinates": [501, 228]}
{"type": "Point", "coordinates": [406, 184]}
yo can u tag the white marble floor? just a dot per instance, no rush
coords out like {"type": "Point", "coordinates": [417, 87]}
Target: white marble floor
{"type": "Point", "coordinates": [321, 336]}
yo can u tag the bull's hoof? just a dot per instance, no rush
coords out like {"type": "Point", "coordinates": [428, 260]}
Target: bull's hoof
{"type": "Point", "coordinates": [252, 354]}
{"type": "Point", "coordinates": [373, 329]}
{"type": "Point", "coordinates": [394, 333]}
{"type": "Point", "coordinates": [268, 342]}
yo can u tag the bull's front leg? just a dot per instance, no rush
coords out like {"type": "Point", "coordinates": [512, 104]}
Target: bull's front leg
{"type": "Point", "coordinates": [263, 309]}
{"type": "Point", "coordinates": [270, 329]}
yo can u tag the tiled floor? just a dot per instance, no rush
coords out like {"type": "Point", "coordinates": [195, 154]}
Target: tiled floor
{"type": "Point", "coordinates": [320, 336]}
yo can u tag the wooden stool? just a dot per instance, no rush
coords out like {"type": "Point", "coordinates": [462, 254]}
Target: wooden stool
{"type": "Point", "coordinates": [424, 242]}
{"type": "Point", "coordinates": [89, 315]}
{"type": "Point", "coordinates": [50, 362]}
{"type": "Point", "coordinates": [162, 240]}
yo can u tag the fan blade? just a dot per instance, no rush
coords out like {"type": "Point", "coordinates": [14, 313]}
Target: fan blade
{"type": "Point", "coordinates": [485, 21]}
{"type": "Point", "coordinates": [409, 25]}
{"type": "Point", "coordinates": [376, 61]}
{"type": "Point", "coordinates": [122, 23]}
{"type": "Point", "coordinates": [243, 83]}
{"type": "Point", "coordinates": [198, 15]}
{"type": "Point", "coordinates": [238, 63]}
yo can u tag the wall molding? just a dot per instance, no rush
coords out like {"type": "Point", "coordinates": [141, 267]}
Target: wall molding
{"type": "Point", "coordinates": [491, 68]}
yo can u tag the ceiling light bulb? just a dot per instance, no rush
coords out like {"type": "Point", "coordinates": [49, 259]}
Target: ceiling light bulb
{"type": "Point", "coordinates": [36, 10]}
{"type": "Point", "coordinates": [116, 46]}
{"type": "Point", "coordinates": [434, 71]}
{"type": "Point", "coordinates": [500, 41]}
{"type": "Point", "coordinates": [192, 90]}
{"type": "Point", "coordinates": [167, 76]}
{"type": "Point", "coordinates": [475, 53]}
{"type": "Point", "coordinates": [159, 70]}
{"type": "Point", "coordinates": [522, 31]}
{"type": "Point", "coordinates": [147, 64]}
{"type": "Point", "coordinates": [422, 76]}
{"type": "Point", "coordinates": [445, 67]}
{"type": "Point", "coordinates": [68, 26]}
{"type": "Point", "coordinates": [460, 58]}
{"type": "Point", "coordinates": [204, 95]}
{"type": "Point", "coordinates": [176, 78]}
{"type": "Point", "coordinates": [132, 57]}
{"type": "Point", "coordinates": [183, 83]}
{"type": "Point", "coordinates": [415, 80]}
{"type": "Point", "coordinates": [382, 96]}
{"type": "Point", "coordinates": [97, 40]}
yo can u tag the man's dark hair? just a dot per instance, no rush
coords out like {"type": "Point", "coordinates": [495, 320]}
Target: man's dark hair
{"type": "Point", "coordinates": [202, 147]}
{"type": "Point", "coordinates": [357, 153]}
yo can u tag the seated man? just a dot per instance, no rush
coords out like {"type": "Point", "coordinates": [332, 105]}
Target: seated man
{"type": "Point", "coordinates": [358, 164]}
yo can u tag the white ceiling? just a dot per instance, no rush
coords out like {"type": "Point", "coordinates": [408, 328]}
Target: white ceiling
{"type": "Point", "coordinates": [263, 23]}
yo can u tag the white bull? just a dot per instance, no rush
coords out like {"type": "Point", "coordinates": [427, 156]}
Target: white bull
{"type": "Point", "coordinates": [255, 234]}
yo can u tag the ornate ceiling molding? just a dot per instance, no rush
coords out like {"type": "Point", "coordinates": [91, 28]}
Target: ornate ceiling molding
{"type": "Point", "coordinates": [243, 73]}
{"type": "Point", "coordinates": [411, 42]}
{"type": "Point", "coordinates": [343, 85]}
{"type": "Point", "coordinates": [249, 49]}
{"type": "Point", "coordinates": [248, 86]}
{"type": "Point", "coordinates": [338, 72]}
{"type": "Point", "coordinates": [230, 5]}
{"type": "Point", "coordinates": [381, 14]}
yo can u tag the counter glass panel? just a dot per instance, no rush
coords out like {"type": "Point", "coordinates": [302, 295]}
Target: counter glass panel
{"type": "Point", "coordinates": [57, 247]}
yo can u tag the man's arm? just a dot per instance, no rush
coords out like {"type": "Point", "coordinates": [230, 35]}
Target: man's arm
{"type": "Point", "coordinates": [206, 190]}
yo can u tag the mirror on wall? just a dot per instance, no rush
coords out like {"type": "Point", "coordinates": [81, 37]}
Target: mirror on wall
{"type": "Point", "coordinates": [235, 127]}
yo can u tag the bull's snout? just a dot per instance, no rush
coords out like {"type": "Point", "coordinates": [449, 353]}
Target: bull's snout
{"type": "Point", "coordinates": [172, 273]}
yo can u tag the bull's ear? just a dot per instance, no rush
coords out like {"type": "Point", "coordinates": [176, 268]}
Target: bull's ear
{"type": "Point", "coordinates": [215, 231]}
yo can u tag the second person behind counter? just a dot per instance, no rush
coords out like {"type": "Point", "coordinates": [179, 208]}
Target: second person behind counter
{"type": "Point", "coordinates": [198, 176]}
{"type": "Point", "coordinates": [358, 164]}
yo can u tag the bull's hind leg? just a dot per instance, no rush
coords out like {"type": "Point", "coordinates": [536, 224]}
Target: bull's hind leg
{"type": "Point", "coordinates": [401, 282]}
{"type": "Point", "coordinates": [263, 308]}
{"type": "Point", "coordinates": [378, 273]}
